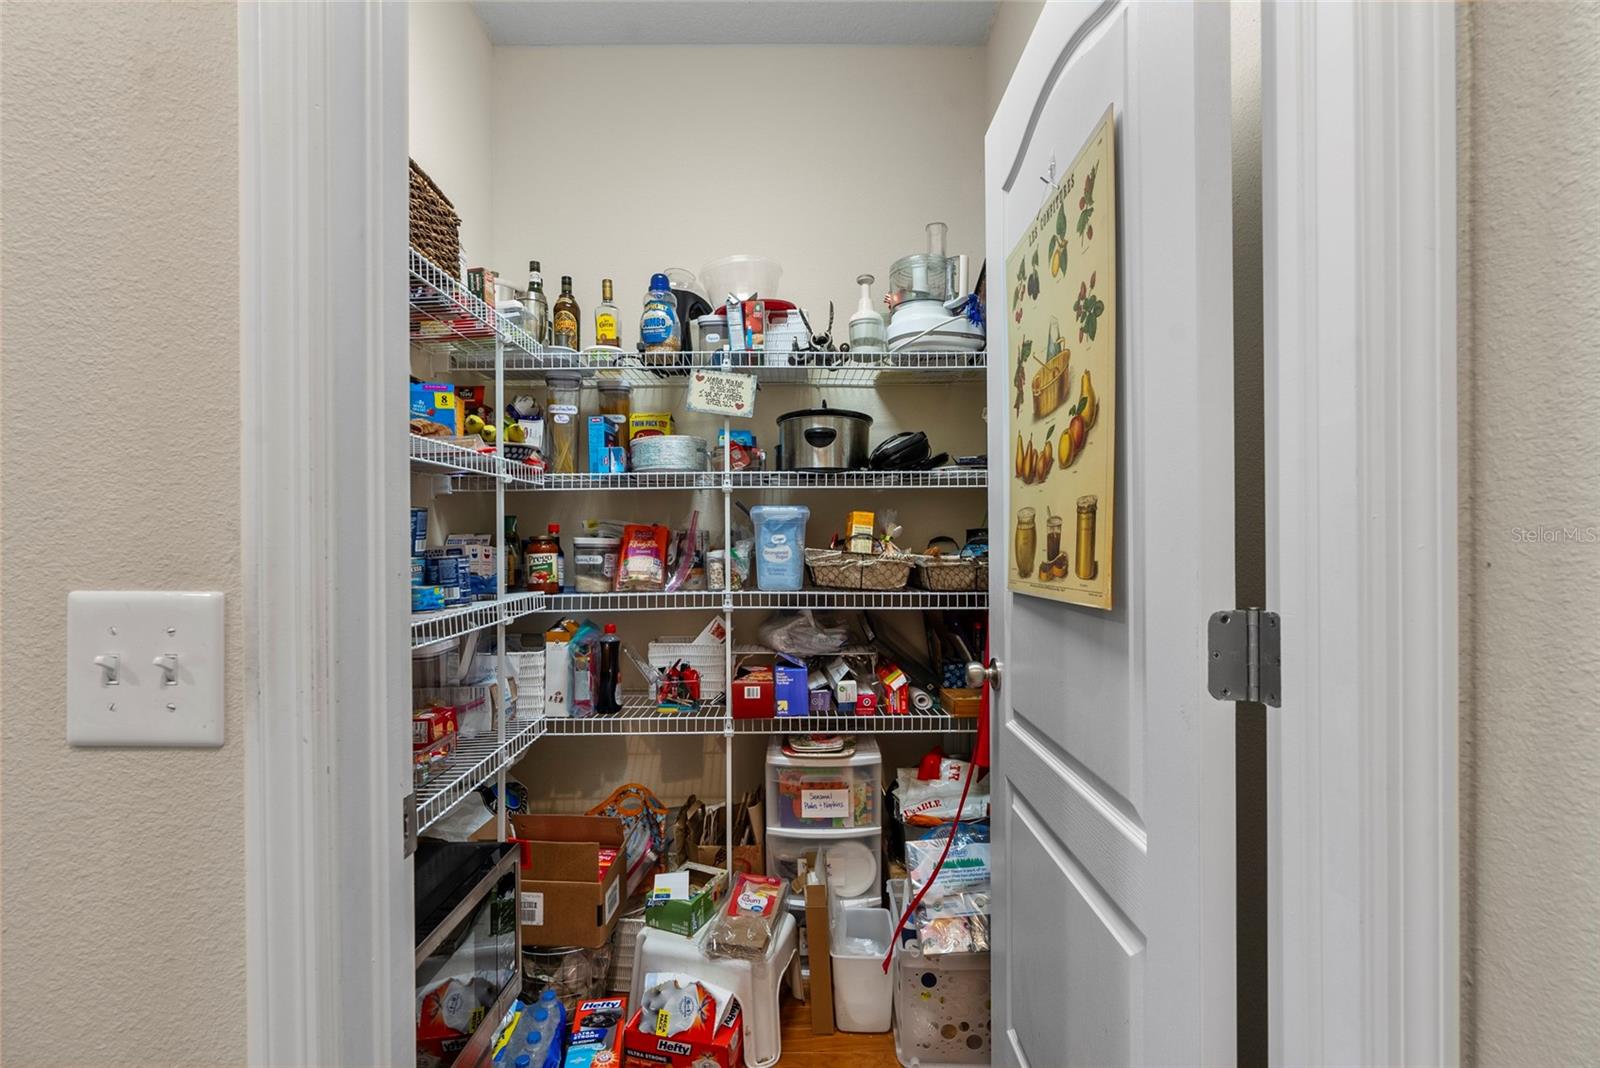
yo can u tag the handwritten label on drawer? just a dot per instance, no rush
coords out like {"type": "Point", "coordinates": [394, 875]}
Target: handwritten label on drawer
{"type": "Point", "coordinates": [824, 804]}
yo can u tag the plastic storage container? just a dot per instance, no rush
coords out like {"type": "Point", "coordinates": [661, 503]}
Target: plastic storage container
{"type": "Point", "coordinates": [807, 794]}
{"type": "Point", "coordinates": [941, 1003]}
{"type": "Point", "coordinates": [756, 983]}
{"type": "Point", "coordinates": [740, 276]}
{"type": "Point", "coordinates": [862, 991]}
{"type": "Point", "coordinates": [594, 564]}
{"type": "Point", "coordinates": [855, 859]}
{"type": "Point", "coordinates": [780, 545]}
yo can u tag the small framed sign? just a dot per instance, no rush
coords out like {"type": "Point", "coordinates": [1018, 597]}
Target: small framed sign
{"type": "Point", "coordinates": [721, 393]}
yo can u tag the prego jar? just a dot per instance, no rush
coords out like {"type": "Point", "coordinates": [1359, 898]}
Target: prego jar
{"type": "Point", "coordinates": [561, 414]}
{"type": "Point", "coordinates": [1027, 542]}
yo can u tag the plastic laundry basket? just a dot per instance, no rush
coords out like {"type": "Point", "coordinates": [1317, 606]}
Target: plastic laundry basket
{"type": "Point", "coordinates": [863, 993]}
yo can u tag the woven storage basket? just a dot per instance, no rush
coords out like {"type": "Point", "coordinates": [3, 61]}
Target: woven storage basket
{"type": "Point", "coordinates": [858, 571]}
{"type": "Point", "coordinates": [435, 226]}
{"type": "Point", "coordinates": [953, 574]}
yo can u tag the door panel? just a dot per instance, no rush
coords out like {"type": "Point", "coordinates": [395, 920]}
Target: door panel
{"type": "Point", "coordinates": [1112, 767]}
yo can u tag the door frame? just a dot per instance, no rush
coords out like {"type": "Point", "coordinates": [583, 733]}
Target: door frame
{"type": "Point", "coordinates": [1359, 213]}
{"type": "Point", "coordinates": [322, 214]}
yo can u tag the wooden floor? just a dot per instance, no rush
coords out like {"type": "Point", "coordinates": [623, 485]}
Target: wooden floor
{"type": "Point", "coordinates": [802, 1049]}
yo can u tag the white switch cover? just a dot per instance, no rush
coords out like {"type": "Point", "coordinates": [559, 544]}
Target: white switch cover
{"type": "Point", "coordinates": [123, 647]}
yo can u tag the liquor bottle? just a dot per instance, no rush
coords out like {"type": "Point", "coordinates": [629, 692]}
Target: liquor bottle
{"type": "Point", "coordinates": [605, 316]}
{"type": "Point", "coordinates": [566, 317]}
{"type": "Point", "coordinates": [537, 311]}
{"type": "Point", "coordinates": [513, 550]}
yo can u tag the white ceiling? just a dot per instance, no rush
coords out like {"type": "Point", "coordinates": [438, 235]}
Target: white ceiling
{"type": "Point", "coordinates": [737, 22]}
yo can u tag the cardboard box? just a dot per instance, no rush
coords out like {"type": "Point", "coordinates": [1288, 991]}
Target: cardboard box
{"type": "Point", "coordinates": [703, 1044]}
{"type": "Point", "coordinates": [435, 402]}
{"type": "Point", "coordinates": [819, 955]}
{"type": "Point", "coordinates": [564, 900]}
{"type": "Point", "coordinates": [790, 695]}
{"type": "Point", "coordinates": [961, 704]}
{"type": "Point", "coordinates": [597, 1024]}
{"type": "Point", "coordinates": [686, 916]}
{"type": "Point", "coordinates": [753, 694]}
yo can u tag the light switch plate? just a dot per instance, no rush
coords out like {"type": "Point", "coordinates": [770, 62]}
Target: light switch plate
{"type": "Point", "coordinates": [118, 691]}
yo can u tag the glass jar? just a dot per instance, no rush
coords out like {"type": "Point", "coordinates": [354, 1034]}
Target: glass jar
{"type": "Point", "coordinates": [1088, 508]}
{"type": "Point", "coordinates": [1027, 541]}
{"type": "Point", "coordinates": [561, 419]}
{"type": "Point", "coordinates": [1052, 538]}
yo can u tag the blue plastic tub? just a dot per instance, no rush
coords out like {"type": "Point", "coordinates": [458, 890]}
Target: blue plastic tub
{"type": "Point", "coordinates": [780, 545]}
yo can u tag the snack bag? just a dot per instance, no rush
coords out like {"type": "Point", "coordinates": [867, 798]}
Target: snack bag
{"type": "Point", "coordinates": [746, 925]}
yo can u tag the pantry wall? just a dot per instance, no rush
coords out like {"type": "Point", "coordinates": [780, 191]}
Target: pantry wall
{"type": "Point", "coordinates": [809, 199]}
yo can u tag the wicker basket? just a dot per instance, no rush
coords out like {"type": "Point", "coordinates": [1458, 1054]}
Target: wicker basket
{"type": "Point", "coordinates": [953, 574]}
{"type": "Point", "coordinates": [858, 571]}
{"type": "Point", "coordinates": [435, 226]}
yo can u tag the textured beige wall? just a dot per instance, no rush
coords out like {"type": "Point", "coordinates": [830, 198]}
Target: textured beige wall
{"type": "Point", "coordinates": [123, 892]}
{"type": "Point", "coordinates": [1008, 34]}
{"type": "Point", "coordinates": [451, 115]}
{"type": "Point", "coordinates": [1530, 463]}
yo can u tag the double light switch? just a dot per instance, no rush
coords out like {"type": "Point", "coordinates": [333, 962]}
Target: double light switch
{"type": "Point", "coordinates": [144, 668]}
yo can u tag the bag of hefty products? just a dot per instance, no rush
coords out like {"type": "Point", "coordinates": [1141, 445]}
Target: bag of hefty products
{"type": "Point", "coordinates": [596, 1039]}
{"type": "Point", "coordinates": [684, 1023]}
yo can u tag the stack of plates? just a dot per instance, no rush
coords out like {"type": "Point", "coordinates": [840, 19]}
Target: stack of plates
{"type": "Point", "coordinates": [670, 452]}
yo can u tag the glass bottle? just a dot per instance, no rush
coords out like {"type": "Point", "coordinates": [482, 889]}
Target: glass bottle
{"type": "Point", "coordinates": [536, 312]}
{"type": "Point", "coordinates": [608, 690]}
{"type": "Point", "coordinates": [513, 551]}
{"type": "Point", "coordinates": [564, 320]}
{"type": "Point", "coordinates": [543, 562]}
{"type": "Point", "coordinates": [605, 316]}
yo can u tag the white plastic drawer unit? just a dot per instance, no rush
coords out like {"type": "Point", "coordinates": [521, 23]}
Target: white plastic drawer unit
{"type": "Point", "coordinates": [825, 793]}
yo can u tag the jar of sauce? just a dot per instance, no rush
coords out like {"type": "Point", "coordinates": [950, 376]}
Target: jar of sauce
{"type": "Point", "coordinates": [1027, 541]}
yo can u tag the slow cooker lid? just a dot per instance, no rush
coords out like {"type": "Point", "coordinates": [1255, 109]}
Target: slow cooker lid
{"type": "Point", "coordinates": [812, 413]}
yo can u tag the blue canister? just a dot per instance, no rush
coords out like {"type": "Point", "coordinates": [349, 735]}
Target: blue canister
{"type": "Point", "coordinates": [448, 572]}
{"type": "Point", "coordinates": [780, 545]}
{"type": "Point", "coordinates": [419, 530]}
{"type": "Point", "coordinates": [419, 571]}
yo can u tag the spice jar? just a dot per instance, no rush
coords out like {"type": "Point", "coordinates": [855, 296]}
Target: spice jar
{"type": "Point", "coordinates": [1027, 541]}
{"type": "Point", "coordinates": [1085, 567]}
{"type": "Point", "coordinates": [561, 418]}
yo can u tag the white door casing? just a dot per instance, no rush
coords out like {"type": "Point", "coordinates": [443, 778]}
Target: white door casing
{"type": "Point", "coordinates": [1114, 904]}
{"type": "Point", "coordinates": [1359, 180]}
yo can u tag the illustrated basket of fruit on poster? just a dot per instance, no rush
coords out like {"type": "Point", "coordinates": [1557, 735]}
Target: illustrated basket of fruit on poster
{"type": "Point", "coordinates": [841, 570]}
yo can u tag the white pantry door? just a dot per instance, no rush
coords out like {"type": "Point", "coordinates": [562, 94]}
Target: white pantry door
{"type": "Point", "coordinates": [1113, 770]}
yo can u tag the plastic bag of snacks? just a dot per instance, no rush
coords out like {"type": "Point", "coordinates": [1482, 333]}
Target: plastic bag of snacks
{"type": "Point", "coordinates": [642, 559]}
{"type": "Point", "coordinates": [748, 920]}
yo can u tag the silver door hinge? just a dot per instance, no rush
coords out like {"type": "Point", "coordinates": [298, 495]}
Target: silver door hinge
{"type": "Point", "coordinates": [1246, 658]}
{"type": "Point", "coordinates": [408, 823]}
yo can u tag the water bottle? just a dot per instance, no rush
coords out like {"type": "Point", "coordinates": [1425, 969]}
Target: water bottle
{"type": "Point", "coordinates": [534, 1048]}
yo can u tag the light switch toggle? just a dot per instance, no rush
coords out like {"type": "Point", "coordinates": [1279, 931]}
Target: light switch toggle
{"type": "Point", "coordinates": [110, 667]}
{"type": "Point", "coordinates": [168, 663]}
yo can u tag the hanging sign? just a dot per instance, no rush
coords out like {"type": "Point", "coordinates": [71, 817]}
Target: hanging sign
{"type": "Point", "coordinates": [1062, 334]}
{"type": "Point", "coordinates": [721, 393]}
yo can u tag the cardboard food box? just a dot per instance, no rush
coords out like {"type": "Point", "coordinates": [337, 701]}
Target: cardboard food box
{"type": "Point", "coordinates": [790, 693]}
{"type": "Point", "coordinates": [704, 1044]}
{"type": "Point", "coordinates": [685, 916]}
{"type": "Point", "coordinates": [753, 694]}
{"type": "Point", "coordinates": [896, 691]}
{"type": "Point", "coordinates": [434, 412]}
{"type": "Point", "coordinates": [567, 897]}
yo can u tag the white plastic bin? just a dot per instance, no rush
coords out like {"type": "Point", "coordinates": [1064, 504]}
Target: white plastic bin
{"type": "Point", "coordinates": [941, 1003]}
{"type": "Point", "coordinates": [855, 859]}
{"type": "Point", "coordinates": [863, 993]}
{"type": "Point", "coordinates": [824, 793]}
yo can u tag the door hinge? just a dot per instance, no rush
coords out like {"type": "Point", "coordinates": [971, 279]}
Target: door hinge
{"type": "Point", "coordinates": [408, 823]}
{"type": "Point", "coordinates": [1246, 658]}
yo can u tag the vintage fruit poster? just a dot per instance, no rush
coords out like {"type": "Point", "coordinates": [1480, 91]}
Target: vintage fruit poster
{"type": "Point", "coordinates": [1062, 280]}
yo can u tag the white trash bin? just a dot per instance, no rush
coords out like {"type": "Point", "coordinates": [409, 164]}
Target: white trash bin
{"type": "Point", "coordinates": [863, 993]}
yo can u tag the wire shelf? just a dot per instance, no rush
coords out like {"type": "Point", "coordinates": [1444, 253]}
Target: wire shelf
{"type": "Point", "coordinates": [639, 716]}
{"type": "Point", "coordinates": [453, 622]}
{"type": "Point", "coordinates": [914, 723]}
{"type": "Point", "coordinates": [474, 763]}
{"type": "Point", "coordinates": [803, 369]}
{"type": "Point", "coordinates": [468, 467]}
{"type": "Point", "coordinates": [444, 313]}
{"type": "Point", "coordinates": [713, 599]}
{"type": "Point", "coordinates": [941, 478]}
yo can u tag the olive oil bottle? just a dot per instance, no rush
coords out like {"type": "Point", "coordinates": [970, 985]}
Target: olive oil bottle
{"type": "Point", "coordinates": [566, 316]}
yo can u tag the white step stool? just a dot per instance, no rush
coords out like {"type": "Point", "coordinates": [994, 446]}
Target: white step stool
{"type": "Point", "coordinates": [757, 984]}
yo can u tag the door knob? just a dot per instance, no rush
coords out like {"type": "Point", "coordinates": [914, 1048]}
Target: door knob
{"type": "Point", "coordinates": [977, 674]}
